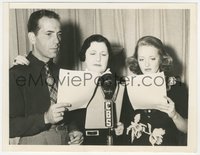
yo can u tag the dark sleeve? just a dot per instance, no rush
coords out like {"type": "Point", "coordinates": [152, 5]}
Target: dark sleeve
{"type": "Point", "coordinates": [75, 120]}
{"type": "Point", "coordinates": [179, 95]}
{"type": "Point", "coordinates": [127, 110]}
{"type": "Point", "coordinates": [21, 124]}
{"type": "Point", "coordinates": [126, 117]}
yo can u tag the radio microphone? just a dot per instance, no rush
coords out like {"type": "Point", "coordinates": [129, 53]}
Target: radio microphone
{"type": "Point", "coordinates": [108, 86]}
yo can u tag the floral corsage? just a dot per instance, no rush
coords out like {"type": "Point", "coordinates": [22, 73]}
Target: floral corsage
{"type": "Point", "coordinates": [137, 129]}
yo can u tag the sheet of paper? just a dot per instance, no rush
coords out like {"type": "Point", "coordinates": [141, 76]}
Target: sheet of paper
{"type": "Point", "coordinates": [76, 87]}
{"type": "Point", "coordinates": [145, 91]}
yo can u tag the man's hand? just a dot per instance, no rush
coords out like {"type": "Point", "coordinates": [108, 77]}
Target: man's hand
{"type": "Point", "coordinates": [76, 137]}
{"type": "Point", "coordinates": [55, 113]}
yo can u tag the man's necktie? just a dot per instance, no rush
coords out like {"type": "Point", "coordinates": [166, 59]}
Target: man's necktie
{"type": "Point", "coordinates": [51, 85]}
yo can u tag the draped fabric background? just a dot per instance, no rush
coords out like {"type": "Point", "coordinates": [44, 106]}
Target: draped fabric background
{"type": "Point", "coordinates": [122, 28]}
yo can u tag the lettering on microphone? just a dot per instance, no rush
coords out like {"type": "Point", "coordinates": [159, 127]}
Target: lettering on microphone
{"type": "Point", "coordinates": [108, 114]}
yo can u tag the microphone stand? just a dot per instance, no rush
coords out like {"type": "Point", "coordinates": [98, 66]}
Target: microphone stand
{"type": "Point", "coordinates": [110, 136]}
{"type": "Point", "coordinates": [108, 86]}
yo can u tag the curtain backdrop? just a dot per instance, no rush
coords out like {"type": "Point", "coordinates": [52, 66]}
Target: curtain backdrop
{"type": "Point", "coordinates": [122, 27]}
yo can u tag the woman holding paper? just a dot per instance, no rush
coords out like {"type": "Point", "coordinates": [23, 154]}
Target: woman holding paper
{"type": "Point", "coordinates": [95, 55]}
{"type": "Point", "coordinates": [165, 124]}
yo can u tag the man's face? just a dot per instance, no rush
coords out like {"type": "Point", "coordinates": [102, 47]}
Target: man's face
{"type": "Point", "coordinates": [47, 40]}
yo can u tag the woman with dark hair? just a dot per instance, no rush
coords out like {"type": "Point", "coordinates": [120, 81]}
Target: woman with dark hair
{"type": "Point", "coordinates": [95, 55]}
{"type": "Point", "coordinates": [167, 124]}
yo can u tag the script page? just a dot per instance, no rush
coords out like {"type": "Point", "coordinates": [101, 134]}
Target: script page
{"type": "Point", "coordinates": [76, 87]}
{"type": "Point", "coordinates": [146, 91]}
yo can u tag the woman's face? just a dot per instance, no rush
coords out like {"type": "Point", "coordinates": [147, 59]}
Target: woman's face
{"type": "Point", "coordinates": [96, 57]}
{"type": "Point", "coordinates": [148, 59]}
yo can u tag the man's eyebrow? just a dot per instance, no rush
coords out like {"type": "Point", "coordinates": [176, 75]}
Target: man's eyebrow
{"type": "Point", "coordinates": [50, 31]}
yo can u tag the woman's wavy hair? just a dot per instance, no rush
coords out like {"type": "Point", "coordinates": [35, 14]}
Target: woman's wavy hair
{"type": "Point", "coordinates": [95, 38]}
{"type": "Point", "coordinates": [166, 60]}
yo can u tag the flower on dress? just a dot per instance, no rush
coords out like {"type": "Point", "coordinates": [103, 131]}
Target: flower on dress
{"type": "Point", "coordinates": [172, 81]}
{"type": "Point", "coordinates": [156, 137]}
{"type": "Point", "coordinates": [136, 128]}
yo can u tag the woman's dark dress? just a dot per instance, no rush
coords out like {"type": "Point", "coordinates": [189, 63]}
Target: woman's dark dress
{"type": "Point", "coordinates": [157, 119]}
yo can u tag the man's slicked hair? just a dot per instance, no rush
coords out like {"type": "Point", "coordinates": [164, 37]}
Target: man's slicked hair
{"type": "Point", "coordinates": [33, 24]}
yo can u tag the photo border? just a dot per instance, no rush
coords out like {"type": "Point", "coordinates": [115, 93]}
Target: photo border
{"type": "Point", "coordinates": [192, 117]}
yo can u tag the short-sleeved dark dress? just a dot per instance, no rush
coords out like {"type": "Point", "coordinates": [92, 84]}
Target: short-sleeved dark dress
{"type": "Point", "coordinates": [154, 119]}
